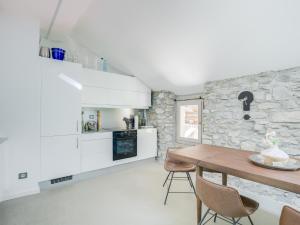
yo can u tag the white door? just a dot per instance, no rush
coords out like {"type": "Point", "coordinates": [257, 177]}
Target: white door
{"type": "Point", "coordinates": [189, 121]}
{"type": "Point", "coordinates": [60, 156]}
{"type": "Point", "coordinates": [61, 98]}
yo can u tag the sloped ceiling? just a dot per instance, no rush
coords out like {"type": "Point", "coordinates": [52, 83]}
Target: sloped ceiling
{"type": "Point", "coordinates": [178, 45]}
{"type": "Point", "coordinates": [68, 13]}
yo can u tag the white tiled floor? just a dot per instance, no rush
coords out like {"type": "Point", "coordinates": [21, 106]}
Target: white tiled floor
{"type": "Point", "coordinates": [131, 195]}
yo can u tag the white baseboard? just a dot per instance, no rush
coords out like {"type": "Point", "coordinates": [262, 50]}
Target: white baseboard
{"type": "Point", "coordinates": [13, 195]}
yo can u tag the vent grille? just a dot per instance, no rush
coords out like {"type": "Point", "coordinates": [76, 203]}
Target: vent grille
{"type": "Point", "coordinates": [61, 179]}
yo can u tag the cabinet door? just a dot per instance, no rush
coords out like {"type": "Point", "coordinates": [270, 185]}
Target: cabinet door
{"type": "Point", "coordinates": [143, 100]}
{"type": "Point", "coordinates": [96, 154]}
{"type": "Point", "coordinates": [61, 98]}
{"type": "Point", "coordinates": [60, 156]}
{"type": "Point", "coordinates": [122, 98]}
{"type": "Point", "coordinates": [94, 96]}
{"type": "Point", "coordinates": [147, 143]}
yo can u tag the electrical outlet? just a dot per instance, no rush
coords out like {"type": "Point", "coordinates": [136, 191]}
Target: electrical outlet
{"type": "Point", "coordinates": [23, 175]}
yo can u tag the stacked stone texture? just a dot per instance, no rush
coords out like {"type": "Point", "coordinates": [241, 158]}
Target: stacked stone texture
{"type": "Point", "coordinates": [276, 106]}
{"type": "Point", "coordinates": [162, 115]}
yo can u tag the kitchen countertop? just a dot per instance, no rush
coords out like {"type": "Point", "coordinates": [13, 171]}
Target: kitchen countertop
{"type": "Point", "coordinates": [109, 130]}
{"type": "Point", "coordinates": [99, 131]}
{"type": "Point", "coordinates": [114, 129]}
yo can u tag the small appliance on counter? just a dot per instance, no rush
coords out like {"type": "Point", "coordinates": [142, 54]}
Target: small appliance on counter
{"type": "Point", "coordinates": [90, 121]}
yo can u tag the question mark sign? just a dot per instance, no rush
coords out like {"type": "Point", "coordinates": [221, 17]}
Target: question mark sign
{"type": "Point", "coordinates": [246, 97]}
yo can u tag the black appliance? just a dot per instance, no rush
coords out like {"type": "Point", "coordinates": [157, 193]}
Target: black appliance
{"type": "Point", "coordinates": [124, 144]}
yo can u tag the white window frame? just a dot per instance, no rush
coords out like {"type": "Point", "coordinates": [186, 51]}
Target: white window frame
{"type": "Point", "coordinates": [189, 140]}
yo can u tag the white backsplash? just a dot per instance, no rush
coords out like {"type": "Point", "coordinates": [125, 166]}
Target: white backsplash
{"type": "Point", "coordinates": [110, 118]}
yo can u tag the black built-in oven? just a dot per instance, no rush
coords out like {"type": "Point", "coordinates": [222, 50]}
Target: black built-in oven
{"type": "Point", "coordinates": [124, 144]}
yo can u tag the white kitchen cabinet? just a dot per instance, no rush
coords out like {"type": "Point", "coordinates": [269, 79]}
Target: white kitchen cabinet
{"type": "Point", "coordinates": [102, 89]}
{"type": "Point", "coordinates": [60, 156]}
{"type": "Point", "coordinates": [91, 96]}
{"type": "Point", "coordinates": [96, 151]}
{"type": "Point", "coordinates": [147, 143]}
{"type": "Point", "coordinates": [112, 81]}
{"type": "Point", "coordinates": [61, 98]}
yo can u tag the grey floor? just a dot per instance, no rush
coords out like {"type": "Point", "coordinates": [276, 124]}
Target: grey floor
{"type": "Point", "coordinates": [130, 195]}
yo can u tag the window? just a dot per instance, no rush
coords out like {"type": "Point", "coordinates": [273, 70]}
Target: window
{"type": "Point", "coordinates": [189, 121]}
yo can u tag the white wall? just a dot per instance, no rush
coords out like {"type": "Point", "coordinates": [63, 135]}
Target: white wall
{"type": "Point", "coordinates": [20, 104]}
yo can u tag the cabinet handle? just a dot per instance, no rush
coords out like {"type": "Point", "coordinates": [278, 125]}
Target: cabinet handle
{"type": "Point", "coordinates": [77, 143]}
{"type": "Point", "coordinates": [77, 126]}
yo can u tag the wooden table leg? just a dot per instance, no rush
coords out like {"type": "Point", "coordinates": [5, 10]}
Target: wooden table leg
{"type": "Point", "coordinates": [199, 172]}
{"type": "Point", "coordinates": [224, 179]}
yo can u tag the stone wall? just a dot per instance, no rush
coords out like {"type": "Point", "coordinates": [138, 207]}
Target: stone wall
{"type": "Point", "coordinates": [162, 115]}
{"type": "Point", "coordinates": [276, 106]}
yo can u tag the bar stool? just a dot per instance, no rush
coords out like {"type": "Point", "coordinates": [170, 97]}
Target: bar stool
{"type": "Point", "coordinates": [289, 216]}
{"type": "Point", "coordinates": [224, 201]}
{"type": "Point", "coordinates": [175, 166]}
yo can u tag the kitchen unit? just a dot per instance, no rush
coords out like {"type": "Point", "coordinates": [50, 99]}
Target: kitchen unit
{"type": "Point", "coordinates": [97, 149]}
{"type": "Point", "coordinates": [41, 102]}
{"type": "Point", "coordinates": [65, 89]}
{"type": "Point", "coordinates": [60, 118]}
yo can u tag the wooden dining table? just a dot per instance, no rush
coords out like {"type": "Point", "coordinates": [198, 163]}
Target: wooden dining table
{"type": "Point", "coordinates": [235, 162]}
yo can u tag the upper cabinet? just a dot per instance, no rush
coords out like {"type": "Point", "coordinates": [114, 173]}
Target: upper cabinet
{"type": "Point", "coordinates": [102, 89]}
{"type": "Point", "coordinates": [61, 98]}
{"type": "Point", "coordinates": [66, 87]}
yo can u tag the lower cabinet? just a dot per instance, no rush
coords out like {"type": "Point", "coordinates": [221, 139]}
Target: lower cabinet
{"type": "Point", "coordinates": [147, 143]}
{"type": "Point", "coordinates": [60, 156]}
{"type": "Point", "coordinates": [73, 154]}
{"type": "Point", "coordinates": [96, 151]}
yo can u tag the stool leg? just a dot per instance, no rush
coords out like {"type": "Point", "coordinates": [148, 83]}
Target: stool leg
{"type": "Point", "coordinates": [169, 188]}
{"type": "Point", "coordinates": [233, 221]}
{"type": "Point", "coordinates": [215, 217]}
{"type": "Point", "coordinates": [188, 177]}
{"type": "Point", "coordinates": [166, 179]}
{"type": "Point", "coordinates": [250, 220]}
{"type": "Point", "coordinates": [191, 182]}
{"type": "Point", "coordinates": [202, 220]}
